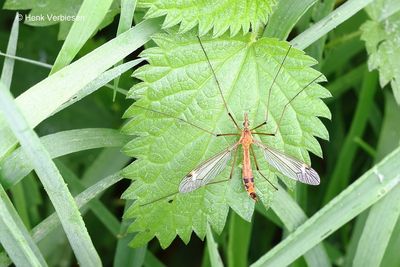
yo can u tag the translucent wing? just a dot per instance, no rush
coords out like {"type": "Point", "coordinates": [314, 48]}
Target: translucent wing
{"type": "Point", "coordinates": [289, 166]}
{"type": "Point", "coordinates": [206, 171]}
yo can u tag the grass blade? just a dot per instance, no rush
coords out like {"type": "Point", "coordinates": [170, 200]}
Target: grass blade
{"type": "Point", "coordinates": [96, 206]}
{"type": "Point", "coordinates": [52, 222]}
{"type": "Point", "coordinates": [212, 247]}
{"type": "Point", "coordinates": [293, 216]}
{"type": "Point", "coordinates": [124, 254]}
{"type": "Point", "coordinates": [125, 22]}
{"type": "Point", "coordinates": [15, 237]}
{"type": "Point", "coordinates": [341, 173]}
{"type": "Point", "coordinates": [328, 23]}
{"type": "Point", "coordinates": [239, 241]}
{"type": "Point", "coordinates": [93, 13]}
{"type": "Point", "coordinates": [285, 17]}
{"type": "Point", "coordinates": [16, 166]}
{"type": "Point", "coordinates": [151, 261]}
{"type": "Point", "coordinates": [376, 233]}
{"type": "Point", "coordinates": [8, 66]}
{"type": "Point", "coordinates": [41, 100]}
{"type": "Point", "coordinates": [100, 81]}
{"type": "Point", "coordinates": [367, 190]}
{"type": "Point", "coordinates": [52, 181]}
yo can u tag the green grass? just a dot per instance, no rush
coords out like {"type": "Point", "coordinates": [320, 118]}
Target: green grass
{"type": "Point", "coordinates": [62, 170]}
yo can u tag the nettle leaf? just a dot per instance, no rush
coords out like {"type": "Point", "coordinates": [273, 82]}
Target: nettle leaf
{"type": "Point", "coordinates": [178, 81]}
{"type": "Point", "coordinates": [382, 40]}
{"type": "Point", "coordinates": [48, 12]}
{"type": "Point", "coordinates": [219, 15]}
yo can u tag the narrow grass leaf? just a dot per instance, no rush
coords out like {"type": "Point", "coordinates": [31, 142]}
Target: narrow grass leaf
{"type": "Point", "coordinates": [125, 22]}
{"type": "Point", "coordinates": [52, 181]}
{"type": "Point", "coordinates": [367, 190]}
{"type": "Point", "coordinates": [328, 23]}
{"type": "Point", "coordinates": [41, 100]}
{"type": "Point", "coordinates": [239, 241]}
{"type": "Point", "coordinates": [287, 13]}
{"type": "Point", "coordinates": [124, 254]}
{"type": "Point", "coordinates": [342, 171]}
{"type": "Point", "coordinates": [293, 216]}
{"type": "Point", "coordinates": [101, 212]}
{"type": "Point", "coordinates": [100, 81]}
{"type": "Point", "coordinates": [392, 255]}
{"type": "Point", "coordinates": [15, 238]}
{"type": "Point", "coordinates": [345, 82]}
{"type": "Point", "coordinates": [151, 261]}
{"type": "Point", "coordinates": [212, 247]}
{"type": "Point", "coordinates": [17, 165]}
{"type": "Point", "coordinates": [8, 66]}
{"type": "Point", "coordinates": [30, 61]}
{"type": "Point", "coordinates": [376, 233]}
{"type": "Point", "coordinates": [92, 13]}
{"type": "Point", "coordinates": [52, 222]}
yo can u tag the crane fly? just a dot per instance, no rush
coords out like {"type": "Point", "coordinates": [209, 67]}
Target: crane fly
{"type": "Point", "coordinates": [206, 171]}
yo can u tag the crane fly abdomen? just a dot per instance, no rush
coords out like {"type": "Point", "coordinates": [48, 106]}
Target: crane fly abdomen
{"type": "Point", "coordinates": [247, 173]}
{"type": "Point", "coordinates": [249, 185]}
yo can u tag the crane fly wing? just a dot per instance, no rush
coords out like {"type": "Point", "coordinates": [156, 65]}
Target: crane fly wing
{"type": "Point", "coordinates": [290, 167]}
{"type": "Point", "coordinates": [206, 171]}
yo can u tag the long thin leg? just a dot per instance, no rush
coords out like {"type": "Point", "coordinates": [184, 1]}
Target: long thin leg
{"type": "Point", "coordinates": [179, 119]}
{"type": "Point", "coordinates": [232, 168]}
{"type": "Point", "coordinates": [218, 85]}
{"type": "Point", "coordinates": [270, 89]}
{"type": "Point", "coordinates": [230, 177]}
{"type": "Point", "coordinates": [258, 169]}
{"type": "Point", "coordinates": [287, 104]}
{"type": "Point", "coordinates": [269, 134]}
{"type": "Point", "coordinates": [228, 134]}
{"type": "Point", "coordinates": [233, 163]}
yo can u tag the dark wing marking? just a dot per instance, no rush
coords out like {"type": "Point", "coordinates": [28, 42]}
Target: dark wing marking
{"type": "Point", "coordinates": [206, 171]}
{"type": "Point", "coordinates": [289, 166]}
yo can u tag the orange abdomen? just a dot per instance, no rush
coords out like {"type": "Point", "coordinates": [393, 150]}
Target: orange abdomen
{"type": "Point", "coordinates": [247, 174]}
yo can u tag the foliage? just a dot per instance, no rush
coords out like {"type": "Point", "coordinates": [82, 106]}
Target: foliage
{"type": "Point", "coordinates": [78, 122]}
{"type": "Point", "coordinates": [167, 150]}
{"type": "Point", "coordinates": [382, 38]}
{"type": "Point", "coordinates": [219, 15]}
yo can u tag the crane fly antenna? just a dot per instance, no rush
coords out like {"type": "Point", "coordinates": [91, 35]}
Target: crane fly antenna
{"type": "Point", "coordinates": [218, 85]}
{"type": "Point", "coordinates": [287, 104]}
{"type": "Point", "coordinates": [270, 89]}
{"type": "Point", "coordinates": [176, 118]}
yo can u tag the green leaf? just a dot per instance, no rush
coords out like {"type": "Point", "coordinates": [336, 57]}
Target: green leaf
{"type": "Point", "coordinates": [217, 15]}
{"type": "Point", "coordinates": [54, 12]}
{"type": "Point", "coordinates": [179, 82]}
{"type": "Point", "coordinates": [382, 40]}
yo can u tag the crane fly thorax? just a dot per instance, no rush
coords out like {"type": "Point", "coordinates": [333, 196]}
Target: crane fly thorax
{"type": "Point", "coordinates": [246, 138]}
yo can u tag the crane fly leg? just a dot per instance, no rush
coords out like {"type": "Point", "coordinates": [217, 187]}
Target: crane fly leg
{"type": "Point", "coordinates": [258, 169]}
